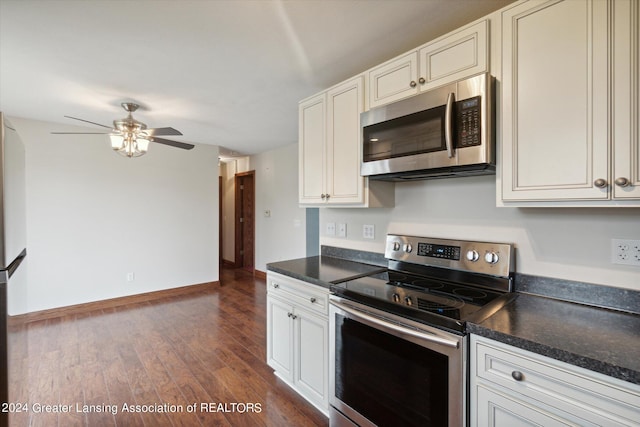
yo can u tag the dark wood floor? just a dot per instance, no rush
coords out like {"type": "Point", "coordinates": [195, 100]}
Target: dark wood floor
{"type": "Point", "coordinates": [205, 348]}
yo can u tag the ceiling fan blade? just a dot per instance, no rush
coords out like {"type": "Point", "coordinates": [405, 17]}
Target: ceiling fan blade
{"type": "Point", "coordinates": [162, 131]}
{"type": "Point", "coordinates": [87, 121]}
{"type": "Point", "coordinates": [172, 143]}
{"type": "Point", "coordinates": [80, 133]}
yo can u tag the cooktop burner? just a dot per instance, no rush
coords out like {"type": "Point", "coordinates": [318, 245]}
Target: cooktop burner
{"type": "Point", "coordinates": [438, 296]}
{"type": "Point", "coordinates": [442, 283]}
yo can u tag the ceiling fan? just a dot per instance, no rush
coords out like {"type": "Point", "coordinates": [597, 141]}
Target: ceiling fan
{"type": "Point", "coordinates": [130, 137]}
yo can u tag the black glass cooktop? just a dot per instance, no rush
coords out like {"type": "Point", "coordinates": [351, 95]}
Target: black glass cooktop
{"type": "Point", "coordinates": [427, 300]}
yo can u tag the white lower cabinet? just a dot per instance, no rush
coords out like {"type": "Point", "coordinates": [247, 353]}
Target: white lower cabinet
{"type": "Point", "coordinates": [515, 387]}
{"type": "Point", "coordinates": [298, 336]}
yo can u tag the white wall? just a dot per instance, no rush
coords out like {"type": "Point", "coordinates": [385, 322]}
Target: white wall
{"type": "Point", "coordinates": [281, 235]}
{"type": "Point", "coordinates": [227, 172]}
{"type": "Point", "coordinates": [572, 244]}
{"type": "Point", "coordinates": [94, 216]}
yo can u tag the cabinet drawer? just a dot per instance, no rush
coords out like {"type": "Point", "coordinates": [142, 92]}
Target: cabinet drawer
{"type": "Point", "coordinates": [577, 391]}
{"type": "Point", "coordinates": [299, 293]}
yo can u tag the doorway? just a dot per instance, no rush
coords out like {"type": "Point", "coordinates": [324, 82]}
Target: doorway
{"type": "Point", "coordinates": [245, 220]}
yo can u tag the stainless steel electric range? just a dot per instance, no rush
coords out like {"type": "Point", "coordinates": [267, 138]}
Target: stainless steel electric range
{"type": "Point", "coordinates": [398, 339]}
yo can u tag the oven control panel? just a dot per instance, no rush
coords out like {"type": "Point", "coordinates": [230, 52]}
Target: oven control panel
{"type": "Point", "coordinates": [478, 257]}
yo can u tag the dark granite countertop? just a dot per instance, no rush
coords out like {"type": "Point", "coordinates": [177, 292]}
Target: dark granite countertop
{"type": "Point", "coordinates": [598, 339]}
{"type": "Point", "coordinates": [323, 270]}
{"type": "Point", "coordinates": [603, 340]}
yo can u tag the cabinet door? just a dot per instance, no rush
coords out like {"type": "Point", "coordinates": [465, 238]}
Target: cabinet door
{"type": "Point", "coordinates": [311, 145]}
{"type": "Point", "coordinates": [499, 410]}
{"type": "Point", "coordinates": [312, 370]}
{"type": "Point", "coordinates": [393, 80]}
{"type": "Point", "coordinates": [555, 105]}
{"type": "Point", "coordinates": [460, 54]}
{"type": "Point", "coordinates": [280, 337]}
{"type": "Point", "coordinates": [626, 83]}
{"type": "Point", "coordinates": [344, 105]}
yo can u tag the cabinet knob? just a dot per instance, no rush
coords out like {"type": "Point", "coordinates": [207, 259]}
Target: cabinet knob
{"type": "Point", "coordinates": [322, 196]}
{"type": "Point", "coordinates": [276, 286]}
{"type": "Point", "coordinates": [421, 80]}
{"type": "Point", "coordinates": [289, 314]}
{"type": "Point", "coordinates": [294, 317]}
{"type": "Point", "coordinates": [327, 196]}
{"type": "Point", "coordinates": [413, 83]}
{"type": "Point", "coordinates": [312, 299]}
{"type": "Point", "coordinates": [600, 183]}
{"type": "Point", "coordinates": [622, 182]}
{"type": "Point", "coordinates": [517, 375]}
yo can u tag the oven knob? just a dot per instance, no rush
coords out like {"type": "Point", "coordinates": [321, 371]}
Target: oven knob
{"type": "Point", "coordinates": [491, 257]}
{"type": "Point", "coordinates": [407, 247]}
{"type": "Point", "coordinates": [473, 255]}
{"type": "Point", "coordinates": [408, 300]}
{"type": "Point", "coordinates": [396, 246]}
{"type": "Point", "coordinates": [396, 298]}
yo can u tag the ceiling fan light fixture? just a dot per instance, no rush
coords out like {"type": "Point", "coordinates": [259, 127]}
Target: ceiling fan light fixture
{"type": "Point", "coordinates": [117, 142]}
{"type": "Point", "coordinates": [130, 137]}
{"type": "Point", "coordinates": [142, 143]}
{"type": "Point", "coordinates": [129, 145]}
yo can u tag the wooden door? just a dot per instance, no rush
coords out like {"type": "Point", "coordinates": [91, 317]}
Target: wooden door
{"type": "Point", "coordinates": [245, 220]}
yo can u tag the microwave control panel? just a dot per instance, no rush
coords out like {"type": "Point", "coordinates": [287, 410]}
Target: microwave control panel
{"type": "Point", "coordinates": [468, 123]}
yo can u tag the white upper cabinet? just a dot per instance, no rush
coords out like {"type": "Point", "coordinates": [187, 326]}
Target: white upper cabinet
{"type": "Point", "coordinates": [330, 151]}
{"type": "Point", "coordinates": [311, 137]}
{"type": "Point", "coordinates": [626, 86]}
{"type": "Point", "coordinates": [344, 105]}
{"type": "Point", "coordinates": [558, 138]}
{"type": "Point", "coordinates": [457, 55]}
{"type": "Point", "coordinates": [394, 80]}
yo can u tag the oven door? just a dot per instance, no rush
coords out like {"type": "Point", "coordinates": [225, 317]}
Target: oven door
{"type": "Point", "coordinates": [388, 371]}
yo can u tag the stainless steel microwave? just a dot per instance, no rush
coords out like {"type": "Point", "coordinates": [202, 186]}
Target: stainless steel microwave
{"type": "Point", "coordinates": [445, 132]}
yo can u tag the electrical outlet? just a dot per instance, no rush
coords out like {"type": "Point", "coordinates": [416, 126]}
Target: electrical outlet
{"type": "Point", "coordinates": [624, 251]}
{"type": "Point", "coordinates": [368, 231]}
{"type": "Point", "coordinates": [342, 230]}
{"type": "Point", "coordinates": [331, 229]}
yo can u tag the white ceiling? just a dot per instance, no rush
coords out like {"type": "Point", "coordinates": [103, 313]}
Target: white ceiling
{"type": "Point", "coordinates": [224, 72]}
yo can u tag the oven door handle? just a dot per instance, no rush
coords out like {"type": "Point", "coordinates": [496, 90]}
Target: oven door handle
{"type": "Point", "coordinates": [395, 327]}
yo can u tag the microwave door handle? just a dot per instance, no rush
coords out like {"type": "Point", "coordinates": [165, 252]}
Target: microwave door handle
{"type": "Point", "coordinates": [448, 123]}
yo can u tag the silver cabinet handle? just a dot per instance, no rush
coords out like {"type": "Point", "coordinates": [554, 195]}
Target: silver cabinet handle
{"type": "Point", "coordinates": [289, 314]}
{"type": "Point", "coordinates": [276, 286]}
{"type": "Point", "coordinates": [327, 196]}
{"type": "Point", "coordinates": [600, 183]}
{"type": "Point", "coordinates": [322, 196]}
{"type": "Point", "coordinates": [622, 182]}
{"type": "Point", "coordinates": [448, 123]}
{"type": "Point", "coordinates": [413, 83]}
{"type": "Point", "coordinates": [421, 80]}
{"type": "Point", "coordinates": [312, 299]}
{"type": "Point", "coordinates": [517, 375]}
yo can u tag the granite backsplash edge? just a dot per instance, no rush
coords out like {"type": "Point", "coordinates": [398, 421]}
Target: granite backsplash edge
{"type": "Point", "coordinates": [609, 297]}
